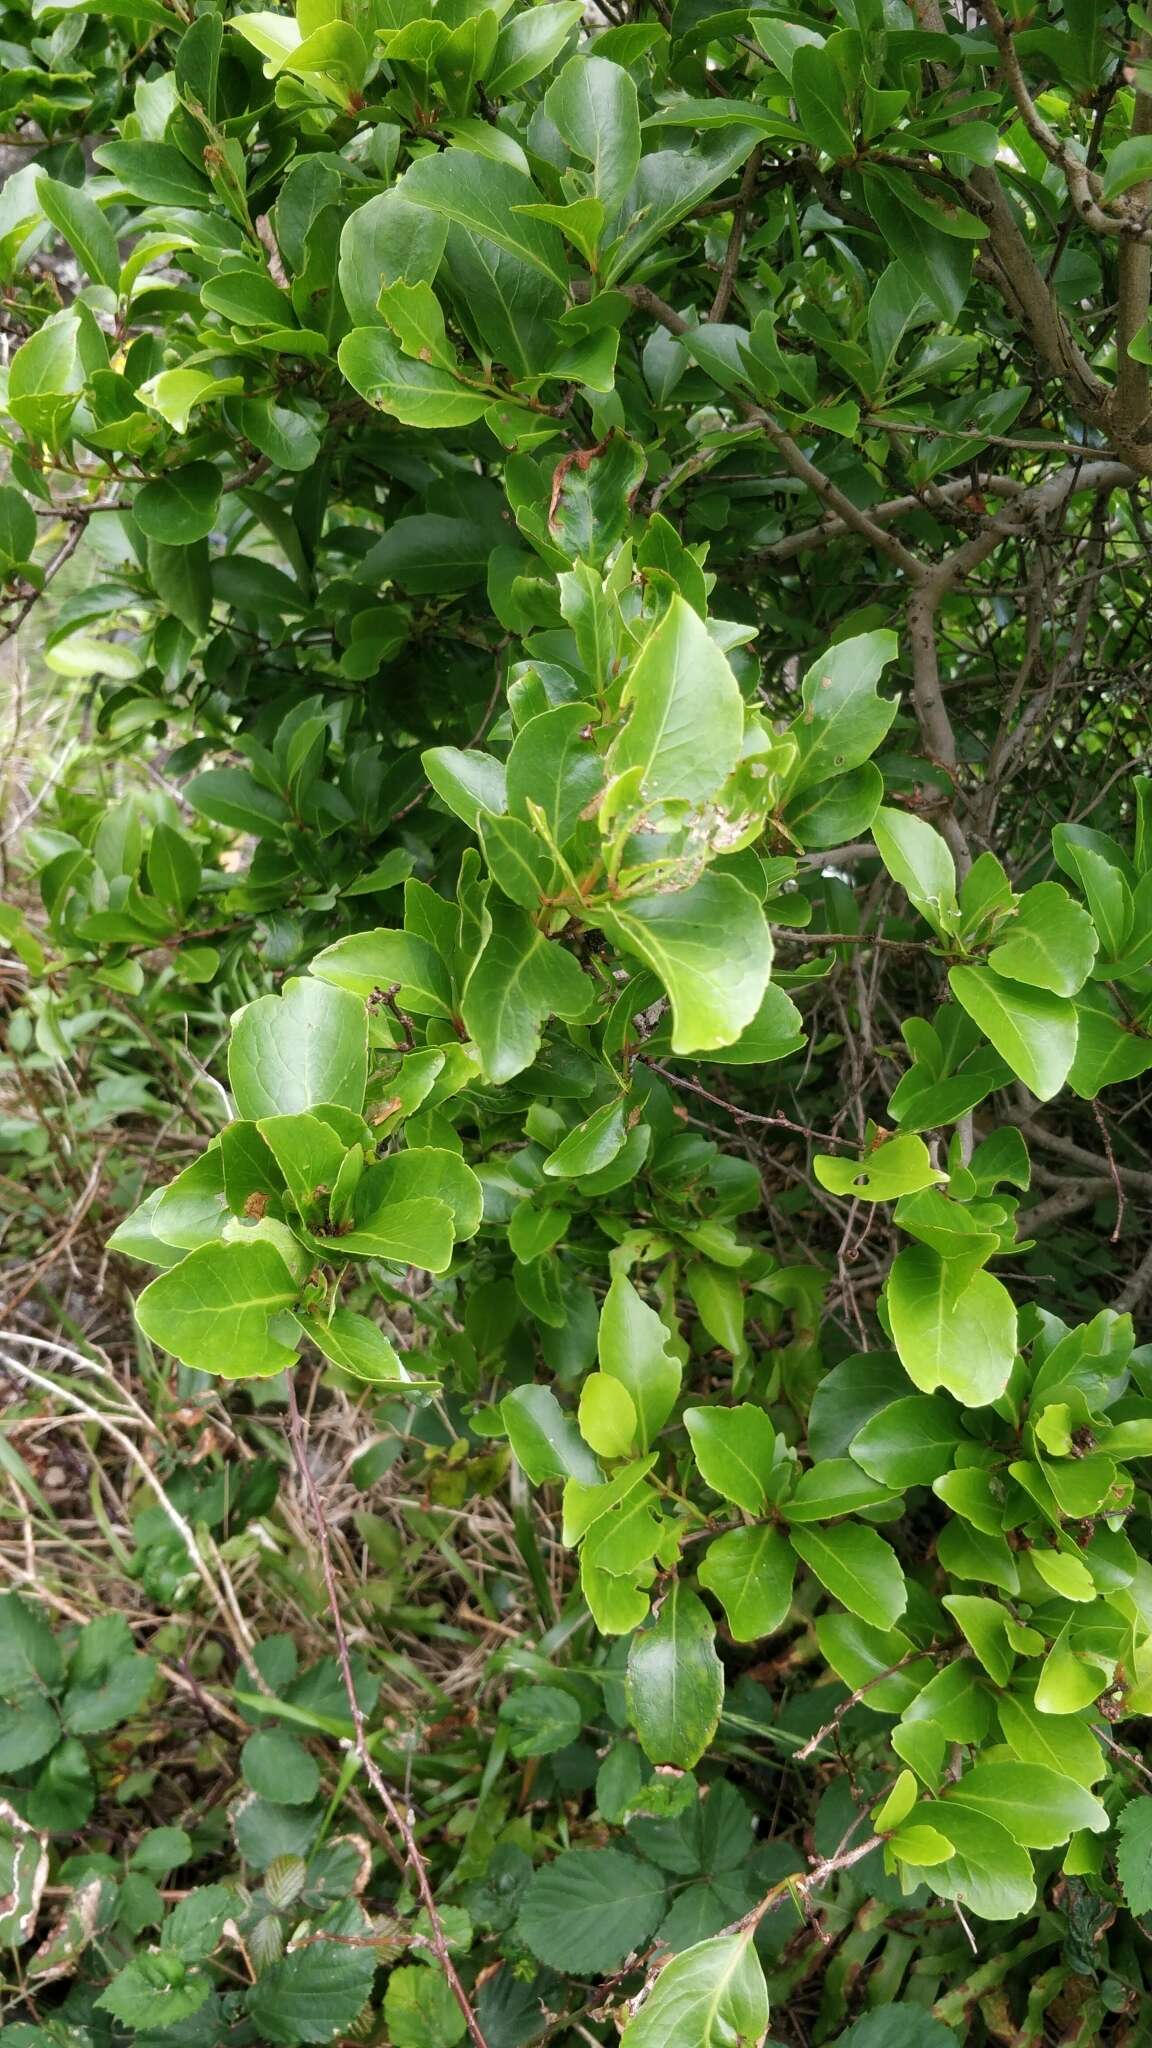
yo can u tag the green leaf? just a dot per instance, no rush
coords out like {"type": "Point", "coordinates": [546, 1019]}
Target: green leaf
{"type": "Point", "coordinates": [313, 1993]}
{"type": "Point", "coordinates": [686, 715]}
{"type": "Point", "coordinates": [1051, 943]}
{"type": "Point", "coordinates": [818, 89]}
{"type": "Point", "coordinates": [900, 1167]}
{"type": "Point", "coordinates": [857, 1567]}
{"type": "Point", "coordinates": [307, 1045]}
{"type": "Point", "coordinates": [1039, 1807]}
{"type": "Point", "coordinates": [181, 507]}
{"type": "Point", "coordinates": [471, 783]}
{"type": "Point", "coordinates": [950, 1334]}
{"type": "Point", "coordinates": [108, 1681]}
{"type": "Point", "coordinates": [420, 2010]}
{"type": "Point", "coordinates": [633, 1347]}
{"type": "Point", "coordinates": [591, 1145]}
{"type": "Point", "coordinates": [527, 45]}
{"type": "Point", "coordinates": [232, 796]}
{"type": "Point", "coordinates": [589, 1909]}
{"type": "Point", "coordinates": [359, 1347]}
{"type": "Point", "coordinates": [713, 1995]}
{"type": "Point", "coordinates": [484, 195]}
{"type": "Point", "coordinates": [750, 1571]}
{"type": "Point", "coordinates": [710, 946]}
{"type": "Point", "coordinates": [17, 528]}
{"type": "Point", "coordinates": [735, 1452]}
{"type": "Point", "coordinates": [418, 394]}
{"type": "Point", "coordinates": [1061, 1741]}
{"type": "Point", "coordinates": [918, 858]}
{"type": "Point", "coordinates": [155, 1990]}
{"type": "Point", "coordinates": [1134, 1855]}
{"type": "Point", "coordinates": [156, 172]}
{"type": "Point", "coordinates": [217, 1310]}
{"type": "Point", "coordinates": [279, 1768]}
{"type": "Point", "coordinates": [519, 979]}
{"type": "Point", "coordinates": [985, 1624]}
{"type": "Point", "coordinates": [1129, 163]}
{"type": "Point", "coordinates": [383, 960]}
{"type": "Point", "coordinates": [675, 1683]}
{"type": "Point", "coordinates": [836, 1486]}
{"type": "Point", "coordinates": [909, 1443]}
{"type": "Point", "coordinates": [1032, 1029]}
{"type": "Point", "coordinates": [844, 717]}
{"type": "Point", "coordinates": [28, 1732]}
{"type": "Point", "coordinates": [30, 1658]}
{"type": "Point", "coordinates": [988, 1872]}
{"type": "Point", "coordinates": [541, 1720]}
{"type": "Point", "coordinates": [594, 105]}
{"type": "Point", "coordinates": [546, 1441]}
{"type": "Point", "coordinates": [592, 497]}
{"type": "Point", "coordinates": [554, 767]}
{"type": "Point", "coordinates": [84, 228]}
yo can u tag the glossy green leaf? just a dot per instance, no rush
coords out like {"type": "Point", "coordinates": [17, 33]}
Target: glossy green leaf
{"type": "Point", "coordinates": [218, 1309]}
{"type": "Point", "coordinates": [857, 1567]}
{"type": "Point", "coordinates": [712, 950]}
{"type": "Point", "coordinates": [675, 1682]}
{"type": "Point", "coordinates": [1032, 1029]}
{"type": "Point", "coordinates": [750, 1571]}
{"type": "Point", "coordinates": [950, 1331]}
{"type": "Point", "coordinates": [735, 1452]}
{"type": "Point", "coordinates": [305, 1046]}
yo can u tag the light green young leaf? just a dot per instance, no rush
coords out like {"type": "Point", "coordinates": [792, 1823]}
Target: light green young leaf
{"type": "Point", "coordinates": [712, 1995]}
{"type": "Point", "coordinates": [901, 1166]}
{"type": "Point", "coordinates": [417, 393]}
{"type": "Point", "coordinates": [988, 1871]}
{"type": "Point", "coordinates": [608, 1418]}
{"type": "Point", "coordinates": [686, 714]}
{"type": "Point", "coordinates": [917, 857]}
{"type": "Point", "coordinates": [633, 1346]}
{"type": "Point", "coordinates": [1039, 1807]}
{"type": "Point", "coordinates": [952, 1335]}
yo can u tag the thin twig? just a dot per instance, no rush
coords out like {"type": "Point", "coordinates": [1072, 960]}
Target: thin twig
{"type": "Point", "coordinates": [853, 1700]}
{"type": "Point", "coordinates": [745, 1116]}
{"type": "Point", "coordinates": [1113, 1171]}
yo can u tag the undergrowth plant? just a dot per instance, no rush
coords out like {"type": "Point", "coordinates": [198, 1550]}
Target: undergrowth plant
{"type": "Point", "coordinates": [620, 545]}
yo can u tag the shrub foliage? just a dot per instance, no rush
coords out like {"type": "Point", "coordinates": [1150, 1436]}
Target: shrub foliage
{"type": "Point", "coordinates": [627, 540]}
